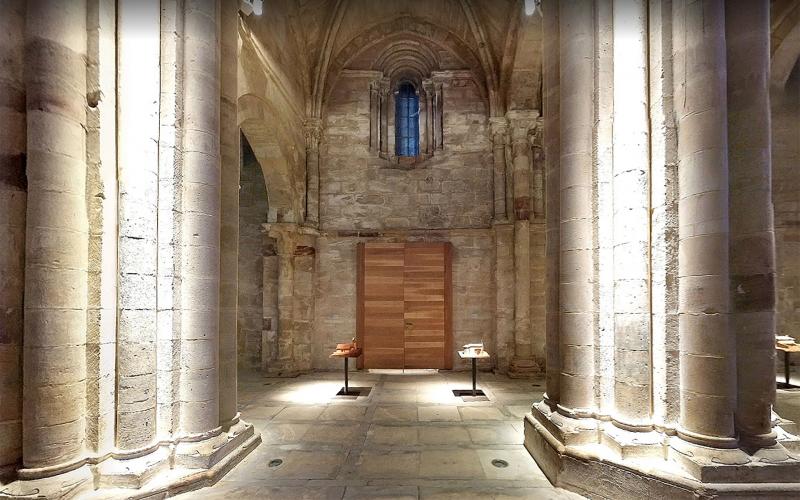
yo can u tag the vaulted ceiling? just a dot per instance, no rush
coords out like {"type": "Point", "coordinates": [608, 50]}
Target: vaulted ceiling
{"type": "Point", "coordinates": [414, 37]}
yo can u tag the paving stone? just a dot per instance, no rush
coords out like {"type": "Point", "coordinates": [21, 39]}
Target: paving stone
{"type": "Point", "coordinates": [395, 414]}
{"type": "Point", "coordinates": [438, 413]}
{"type": "Point", "coordinates": [481, 413]}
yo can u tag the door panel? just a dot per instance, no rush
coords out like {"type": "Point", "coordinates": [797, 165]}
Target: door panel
{"type": "Point", "coordinates": [404, 305]}
{"type": "Point", "coordinates": [383, 306]}
{"type": "Point", "coordinates": [424, 306]}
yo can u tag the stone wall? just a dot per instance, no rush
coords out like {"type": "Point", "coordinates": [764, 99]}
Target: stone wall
{"type": "Point", "coordinates": [359, 190]}
{"type": "Point", "coordinates": [253, 208]}
{"type": "Point", "coordinates": [786, 198]}
{"type": "Point", "coordinates": [450, 192]}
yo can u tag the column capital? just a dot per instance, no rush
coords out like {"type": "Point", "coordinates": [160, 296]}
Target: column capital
{"type": "Point", "coordinates": [312, 131]}
{"type": "Point", "coordinates": [522, 123]}
{"type": "Point", "coordinates": [498, 125]}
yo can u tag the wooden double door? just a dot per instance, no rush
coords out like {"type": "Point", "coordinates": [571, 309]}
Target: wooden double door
{"type": "Point", "coordinates": [404, 305]}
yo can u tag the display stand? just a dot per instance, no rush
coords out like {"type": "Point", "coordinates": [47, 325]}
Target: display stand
{"type": "Point", "coordinates": [474, 392]}
{"type": "Point", "coordinates": [786, 349]}
{"type": "Point", "coordinates": [347, 354]}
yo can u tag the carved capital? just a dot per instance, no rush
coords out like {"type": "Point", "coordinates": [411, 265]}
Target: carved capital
{"type": "Point", "coordinates": [498, 128]}
{"type": "Point", "coordinates": [312, 130]}
{"type": "Point", "coordinates": [523, 123]}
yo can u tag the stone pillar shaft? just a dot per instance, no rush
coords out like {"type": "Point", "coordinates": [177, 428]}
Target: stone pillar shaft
{"type": "Point", "coordinates": [138, 48]}
{"type": "Point", "coordinates": [199, 392]}
{"type": "Point", "coordinates": [229, 240]}
{"type": "Point", "coordinates": [707, 350]}
{"type": "Point", "coordinates": [56, 253]}
{"type": "Point", "coordinates": [551, 106]}
{"type": "Point", "coordinates": [428, 86]}
{"type": "Point", "coordinates": [752, 242]}
{"type": "Point", "coordinates": [577, 265]}
{"type": "Point", "coordinates": [499, 131]}
{"type": "Point", "coordinates": [312, 132]}
{"type": "Point", "coordinates": [374, 121]}
{"type": "Point", "coordinates": [664, 219]}
{"type": "Point", "coordinates": [438, 116]}
{"type": "Point", "coordinates": [170, 217]}
{"type": "Point", "coordinates": [384, 116]}
{"type": "Point", "coordinates": [12, 226]}
{"type": "Point", "coordinates": [521, 160]}
{"type": "Point", "coordinates": [631, 214]}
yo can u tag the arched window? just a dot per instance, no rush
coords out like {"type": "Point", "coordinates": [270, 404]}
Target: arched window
{"type": "Point", "coordinates": [407, 121]}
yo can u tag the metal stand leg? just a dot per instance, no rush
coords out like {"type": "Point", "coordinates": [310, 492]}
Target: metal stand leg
{"type": "Point", "coordinates": [474, 375]}
{"type": "Point", "coordinates": [786, 366]}
{"type": "Point", "coordinates": [346, 386]}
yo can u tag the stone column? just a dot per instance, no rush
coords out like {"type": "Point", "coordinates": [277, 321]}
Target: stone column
{"type": "Point", "coordinates": [229, 237]}
{"type": "Point", "coordinates": [537, 171]}
{"type": "Point", "coordinates": [138, 48]}
{"type": "Point", "coordinates": [12, 226]}
{"type": "Point", "coordinates": [56, 253]}
{"type": "Point", "coordinates": [499, 129]}
{"type": "Point", "coordinates": [663, 220]}
{"type": "Point", "coordinates": [101, 200]}
{"type": "Point", "coordinates": [199, 392]}
{"type": "Point", "coordinates": [383, 91]}
{"type": "Point", "coordinates": [374, 117]}
{"type": "Point", "coordinates": [577, 264]}
{"type": "Point", "coordinates": [269, 336]}
{"type": "Point", "coordinates": [428, 87]}
{"type": "Point", "coordinates": [438, 116]}
{"type": "Point", "coordinates": [551, 107]}
{"type": "Point", "coordinates": [170, 219]}
{"type": "Point", "coordinates": [631, 218]}
{"type": "Point", "coordinates": [752, 239]}
{"type": "Point", "coordinates": [313, 131]}
{"type": "Point", "coordinates": [521, 123]}
{"type": "Point", "coordinates": [707, 350]}
{"type": "Point", "coordinates": [504, 295]}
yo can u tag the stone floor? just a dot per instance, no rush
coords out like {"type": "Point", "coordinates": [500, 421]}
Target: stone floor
{"type": "Point", "coordinates": [409, 438]}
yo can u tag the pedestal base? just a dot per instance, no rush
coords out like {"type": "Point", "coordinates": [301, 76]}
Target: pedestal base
{"type": "Point", "coordinates": [524, 368]}
{"type": "Point", "coordinates": [600, 463]}
{"type": "Point", "coordinates": [170, 469]}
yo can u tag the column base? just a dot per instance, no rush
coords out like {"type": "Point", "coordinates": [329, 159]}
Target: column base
{"type": "Point", "coordinates": [524, 368]}
{"type": "Point", "coordinates": [601, 461]}
{"type": "Point", "coordinates": [170, 469]}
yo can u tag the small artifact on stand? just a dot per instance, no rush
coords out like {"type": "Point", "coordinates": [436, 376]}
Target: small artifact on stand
{"type": "Point", "coordinates": [473, 352]}
{"type": "Point", "coordinates": [347, 351]}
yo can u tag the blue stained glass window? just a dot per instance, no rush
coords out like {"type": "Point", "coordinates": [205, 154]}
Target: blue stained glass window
{"type": "Point", "coordinates": [407, 121]}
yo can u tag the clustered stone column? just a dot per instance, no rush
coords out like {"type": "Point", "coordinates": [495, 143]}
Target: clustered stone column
{"type": "Point", "coordinates": [552, 136]}
{"type": "Point", "coordinates": [111, 403]}
{"type": "Point", "coordinates": [708, 360]}
{"type": "Point", "coordinates": [295, 247]}
{"type": "Point", "coordinates": [631, 217]}
{"type": "Point", "coordinates": [521, 124]}
{"type": "Point", "coordinates": [12, 225]}
{"type": "Point", "coordinates": [584, 437]}
{"type": "Point", "coordinates": [230, 148]}
{"type": "Point", "coordinates": [499, 131]}
{"type": "Point", "coordinates": [752, 237]}
{"type": "Point", "coordinates": [578, 316]}
{"type": "Point", "coordinates": [138, 88]}
{"type": "Point", "coordinates": [56, 253]}
{"type": "Point", "coordinates": [313, 132]}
